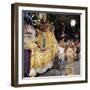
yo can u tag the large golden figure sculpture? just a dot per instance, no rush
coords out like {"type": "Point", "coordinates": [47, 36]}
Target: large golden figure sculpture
{"type": "Point", "coordinates": [43, 49]}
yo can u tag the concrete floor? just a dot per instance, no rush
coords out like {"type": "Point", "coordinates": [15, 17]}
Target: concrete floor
{"type": "Point", "coordinates": [59, 70]}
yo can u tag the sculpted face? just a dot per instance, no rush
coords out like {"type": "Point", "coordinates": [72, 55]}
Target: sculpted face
{"type": "Point", "coordinates": [45, 27]}
{"type": "Point", "coordinates": [29, 32]}
{"type": "Point", "coordinates": [70, 54]}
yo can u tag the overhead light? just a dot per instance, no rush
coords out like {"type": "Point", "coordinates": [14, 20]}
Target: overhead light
{"type": "Point", "coordinates": [73, 22]}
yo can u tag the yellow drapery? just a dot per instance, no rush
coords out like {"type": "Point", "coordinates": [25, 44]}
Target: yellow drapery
{"type": "Point", "coordinates": [41, 58]}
